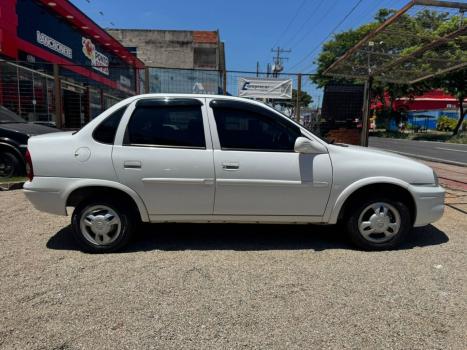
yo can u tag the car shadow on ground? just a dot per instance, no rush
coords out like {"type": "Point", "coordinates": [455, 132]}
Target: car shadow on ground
{"type": "Point", "coordinates": [245, 237]}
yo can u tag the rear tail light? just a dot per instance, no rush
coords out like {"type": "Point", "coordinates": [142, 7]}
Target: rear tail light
{"type": "Point", "coordinates": [29, 170]}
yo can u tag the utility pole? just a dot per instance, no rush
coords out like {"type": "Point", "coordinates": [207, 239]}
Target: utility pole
{"type": "Point", "coordinates": [299, 97]}
{"type": "Point", "coordinates": [278, 59]}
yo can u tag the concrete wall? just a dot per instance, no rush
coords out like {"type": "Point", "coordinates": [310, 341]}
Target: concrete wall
{"type": "Point", "coordinates": [173, 49]}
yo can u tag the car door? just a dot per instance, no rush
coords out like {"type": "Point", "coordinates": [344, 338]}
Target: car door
{"type": "Point", "coordinates": [257, 170]}
{"type": "Point", "coordinates": [163, 151]}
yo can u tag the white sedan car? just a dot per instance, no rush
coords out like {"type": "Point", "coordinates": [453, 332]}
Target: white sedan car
{"type": "Point", "coordinates": [202, 158]}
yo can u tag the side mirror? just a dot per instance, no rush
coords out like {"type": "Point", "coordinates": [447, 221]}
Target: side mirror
{"type": "Point", "coordinates": [304, 145]}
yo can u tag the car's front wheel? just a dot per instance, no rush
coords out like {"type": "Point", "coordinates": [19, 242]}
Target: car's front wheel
{"type": "Point", "coordinates": [102, 226]}
{"type": "Point", "coordinates": [378, 223]}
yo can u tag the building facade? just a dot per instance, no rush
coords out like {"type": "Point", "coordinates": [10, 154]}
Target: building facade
{"type": "Point", "coordinates": [58, 66]}
{"type": "Point", "coordinates": [424, 111]}
{"type": "Point", "coordinates": [179, 61]}
{"type": "Point", "coordinates": [184, 49]}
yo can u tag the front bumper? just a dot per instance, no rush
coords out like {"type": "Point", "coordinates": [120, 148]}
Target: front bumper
{"type": "Point", "coordinates": [429, 202]}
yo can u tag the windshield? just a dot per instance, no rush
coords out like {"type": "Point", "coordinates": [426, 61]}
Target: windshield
{"type": "Point", "coordinates": [7, 116]}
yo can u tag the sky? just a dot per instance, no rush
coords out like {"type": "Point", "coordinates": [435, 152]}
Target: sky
{"type": "Point", "coordinates": [250, 29]}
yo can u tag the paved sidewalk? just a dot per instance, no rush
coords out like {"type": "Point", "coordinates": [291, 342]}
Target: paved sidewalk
{"type": "Point", "coordinates": [450, 176]}
{"type": "Point", "coordinates": [454, 179]}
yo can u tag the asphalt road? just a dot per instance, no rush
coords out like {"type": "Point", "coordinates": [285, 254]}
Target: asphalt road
{"type": "Point", "coordinates": [456, 153]}
{"type": "Point", "coordinates": [229, 287]}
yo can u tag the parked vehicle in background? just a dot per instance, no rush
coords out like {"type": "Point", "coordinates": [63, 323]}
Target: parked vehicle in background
{"type": "Point", "coordinates": [14, 135]}
{"type": "Point", "coordinates": [203, 158]}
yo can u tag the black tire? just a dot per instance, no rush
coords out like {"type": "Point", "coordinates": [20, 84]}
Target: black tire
{"type": "Point", "coordinates": [357, 238]}
{"type": "Point", "coordinates": [10, 165]}
{"type": "Point", "coordinates": [127, 223]}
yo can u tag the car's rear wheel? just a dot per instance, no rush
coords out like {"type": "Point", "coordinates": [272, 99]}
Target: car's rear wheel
{"type": "Point", "coordinates": [378, 223]}
{"type": "Point", "coordinates": [102, 226]}
{"type": "Point", "coordinates": [10, 165]}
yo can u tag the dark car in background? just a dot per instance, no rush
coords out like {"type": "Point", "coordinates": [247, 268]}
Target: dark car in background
{"type": "Point", "coordinates": [14, 135]}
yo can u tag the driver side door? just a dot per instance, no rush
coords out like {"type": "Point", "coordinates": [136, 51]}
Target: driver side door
{"type": "Point", "coordinates": [257, 170]}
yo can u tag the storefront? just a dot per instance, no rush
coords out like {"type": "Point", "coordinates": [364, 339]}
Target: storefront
{"type": "Point", "coordinates": [58, 65]}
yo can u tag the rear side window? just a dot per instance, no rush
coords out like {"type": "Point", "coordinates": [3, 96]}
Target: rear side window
{"type": "Point", "coordinates": [166, 126]}
{"type": "Point", "coordinates": [106, 130]}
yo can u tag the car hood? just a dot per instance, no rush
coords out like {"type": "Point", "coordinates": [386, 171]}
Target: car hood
{"type": "Point", "coordinates": [360, 162]}
{"type": "Point", "coordinates": [29, 129]}
{"type": "Point", "coordinates": [370, 151]}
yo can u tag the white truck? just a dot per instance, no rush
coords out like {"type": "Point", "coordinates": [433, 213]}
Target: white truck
{"type": "Point", "coordinates": [204, 158]}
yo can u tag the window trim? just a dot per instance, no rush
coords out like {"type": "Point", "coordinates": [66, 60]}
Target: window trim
{"type": "Point", "coordinates": [264, 150]}
{"type": "Point", "coordinates": [250, 107]}
{"type": "Point", "coordinates": [164, 102]}
{"type": "Point", "coordinates": [161, 146]}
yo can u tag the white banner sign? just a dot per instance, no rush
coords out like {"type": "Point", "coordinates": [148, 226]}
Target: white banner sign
{"type": "Point", "coordinates": [265, 88]}
{"type": "Point", "coordinates": [53, 44]}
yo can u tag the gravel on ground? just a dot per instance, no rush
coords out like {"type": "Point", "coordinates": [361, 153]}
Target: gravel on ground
{"type": "Point", "coordinates": [229, 287]}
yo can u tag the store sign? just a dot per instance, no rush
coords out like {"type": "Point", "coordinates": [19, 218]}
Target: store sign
{"type": "Point", "coordinates": [39, 26]}
{"type": "Point", "coordinates": [53, 44]}
{"type": "Point", "coordinates": [265, 88]}
{"type": "Point", "coordinates": [99, 61]}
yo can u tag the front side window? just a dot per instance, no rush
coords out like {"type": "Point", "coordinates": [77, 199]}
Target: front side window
{"type": "Point", "coordinates": [105, 132]}
{"type": "Point", "coordinates": [169, 126]}
{"type": "Point", "coordinates": [242, 129]}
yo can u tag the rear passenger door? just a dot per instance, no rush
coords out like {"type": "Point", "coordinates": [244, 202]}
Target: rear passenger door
{"type": "Point", "coordinates": [163, 151]}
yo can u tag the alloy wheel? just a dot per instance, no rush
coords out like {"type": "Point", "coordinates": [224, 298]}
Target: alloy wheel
{"type": "Point", "coordinates": [100, 225]}
{"type": "Point", "coordinates": [379, 222]}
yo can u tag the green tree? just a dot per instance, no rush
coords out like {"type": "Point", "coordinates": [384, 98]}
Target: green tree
{"type": "Point", "coordinates": [454, 84]}
{"type": "Point", "coordinates": [421, 29]}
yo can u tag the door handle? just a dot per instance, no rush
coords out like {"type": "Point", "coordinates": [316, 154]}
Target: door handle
{"type": "Point", "coordinates": [132, 164]}
{"type": "Point", "coordinates": [230, 166]}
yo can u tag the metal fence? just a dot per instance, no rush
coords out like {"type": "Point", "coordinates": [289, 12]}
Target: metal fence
{"type": "Point", "coordinates": [68, 97]}
{"type": "Point", "coordinates": [55, 94]}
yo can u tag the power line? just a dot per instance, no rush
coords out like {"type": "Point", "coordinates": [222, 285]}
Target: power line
{"type": "Point", "coordinates": [313, 13]}
{"type": "Point", "coordinates": [327, 37]}
{"type": "Point", "coordinates": [361, 20]}
{"type": "Point", "coordinates": [290, 23]}
{"type": "Point", "coordinates": [295, 43]}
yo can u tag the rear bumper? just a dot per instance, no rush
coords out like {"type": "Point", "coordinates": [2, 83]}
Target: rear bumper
{"type": "Point", "coordinates": [45, 199]}
{"type": "Point", "coordinates": [429, 202]}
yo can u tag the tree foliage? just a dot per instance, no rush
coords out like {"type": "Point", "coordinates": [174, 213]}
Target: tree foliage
{"type": "Point", "coordinates": [421, 29]}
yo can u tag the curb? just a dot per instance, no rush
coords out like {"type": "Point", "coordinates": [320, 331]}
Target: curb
{"type": "Point", "coordinates": [434, 160]}
{"type": "Point", "coordinates": [9, 186]}
{"type": "Point", "coordinates": [398, 139]}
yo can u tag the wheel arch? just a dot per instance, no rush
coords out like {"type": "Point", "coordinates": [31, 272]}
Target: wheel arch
{"type": "Point", "coordinates": [388, 186]}
{"type": "Point", "coordinates": [104, 188]}
{"type": "Point", "coordinates": [5, 146]}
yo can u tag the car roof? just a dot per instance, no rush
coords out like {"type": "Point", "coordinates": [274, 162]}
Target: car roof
{"type": "Point", "coordinates": [159, 95]}
{"type": "Point", "coordinates": [211, 96]}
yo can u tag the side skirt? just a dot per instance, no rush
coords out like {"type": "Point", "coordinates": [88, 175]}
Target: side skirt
{"type": "Point", "coordinates": [252, 219]}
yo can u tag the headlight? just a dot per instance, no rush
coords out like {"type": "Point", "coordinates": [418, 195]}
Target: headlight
{"type": "Point", "coordinates": [436, 178]}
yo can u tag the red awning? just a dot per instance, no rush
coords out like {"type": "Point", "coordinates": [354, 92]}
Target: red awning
{"type": "Point", "coordinates": [88, 27]}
